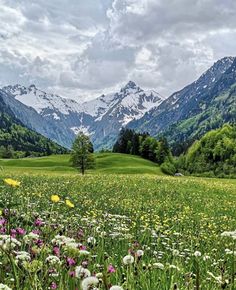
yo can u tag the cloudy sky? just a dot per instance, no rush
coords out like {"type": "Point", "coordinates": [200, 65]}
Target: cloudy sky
{"type": "Point", "coordinates": [81, 48]}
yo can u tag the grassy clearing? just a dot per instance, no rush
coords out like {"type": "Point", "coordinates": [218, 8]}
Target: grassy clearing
{"type": "Point", "coordinates": [59, 164]}
{"type": "Point", "coordinates": [138, 232]}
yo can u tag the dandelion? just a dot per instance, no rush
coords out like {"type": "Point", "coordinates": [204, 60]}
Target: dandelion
{"type": "Point", "coordinates": [128, 260]}
{"type": "Point", "coordinates": [55, 198]}
{"type": "Point", "coordinates": [197, 254]}
{"type": "Point", "coordinates": [81, 272]}
{"type": "Point", "coordinates": [158, 266]}
{"type": "Point", "coordinates": [140, 253]}
{"type": "Point", "coordinates": [89, 282]}
{"type": "Point", "coordinates": [12, 183]}
{"type": "Point", "coordinates": [69, 203]}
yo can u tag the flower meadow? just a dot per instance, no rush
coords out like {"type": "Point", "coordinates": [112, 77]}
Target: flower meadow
{"type": "Point", "coordinates": [117, 232]}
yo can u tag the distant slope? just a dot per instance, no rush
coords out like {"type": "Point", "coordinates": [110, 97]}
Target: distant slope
{"type": "Point", "coordinates": [214, 154]}
{"type": "Point", "coordinates": [205, 104]}
{"type": "Point", "coordinates": [105, 163]}
{"type": "Point", "coordinates": [13, 133]}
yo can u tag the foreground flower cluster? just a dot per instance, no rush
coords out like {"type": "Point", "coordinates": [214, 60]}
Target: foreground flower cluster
{"type": "Point", "coordinates": [116, 233]}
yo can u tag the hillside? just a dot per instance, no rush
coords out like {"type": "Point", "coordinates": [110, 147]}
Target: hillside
{"type": "Point", "coordinates": [18, 140]}
{"type": "Point", "coordinates": [105, 163]}
{"type": "Point", "coordinates": [205, 104]}
{"type": "Point", "coordinates": [213, 155]}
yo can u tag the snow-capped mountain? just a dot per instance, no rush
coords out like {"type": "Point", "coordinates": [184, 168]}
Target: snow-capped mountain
{"type": "Point", "coordinates": [196, 99]}
{"type": "Point", "coordinates": [101, 118]}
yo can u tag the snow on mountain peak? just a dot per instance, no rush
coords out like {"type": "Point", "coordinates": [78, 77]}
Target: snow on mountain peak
{"type": "Point", "coordinates": [40, 100]}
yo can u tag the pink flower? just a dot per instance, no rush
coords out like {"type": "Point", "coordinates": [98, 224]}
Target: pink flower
{"type": "Point", "coordinates": [20, 231]}
{"type": "Point", "coordinates": [56, 251]}
{"type": "Point", "coordinates": [70, 262]}
{"type": "Point", "coordinates": [2, 222]}
{"type": "Point", "coordinates": [111, 269]}
{"type": "Point", "coordinates": [13, 233]}
{"type": "Point", "coordinates": [3, 230]}
{"type": "Point", "coordinates": [53, 285]}
{"type": "Point", "coordinates": [37, 232]}
{"type": "Point", "coordinates": [85, 264]}
{"type": "Point", "coordinates": [82, 247]}
{"type": "Point", "coordinates": [38, 222]}
{"type": "Point", "coordinates": [72, 273]}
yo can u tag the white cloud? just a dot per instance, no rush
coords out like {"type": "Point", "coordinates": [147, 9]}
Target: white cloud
{"type": "Point", "coordinates": [84, 48]}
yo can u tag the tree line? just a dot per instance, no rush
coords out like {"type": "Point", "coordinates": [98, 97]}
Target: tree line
{"type": "Point", "coordinates": [142, 144]}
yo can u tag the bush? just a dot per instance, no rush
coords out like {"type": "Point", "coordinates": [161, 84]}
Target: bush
{"type": "Point", "coordinates": [168, 168]}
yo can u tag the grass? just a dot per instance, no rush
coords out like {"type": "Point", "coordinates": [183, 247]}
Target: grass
{"type": "Point", "coordinates": [105, 163]}
{"type": "Point", "coordinates": [136, 231]}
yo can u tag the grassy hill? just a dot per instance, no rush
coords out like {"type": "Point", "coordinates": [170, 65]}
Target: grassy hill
{"type": "Point", "coordinates": [105, 163]}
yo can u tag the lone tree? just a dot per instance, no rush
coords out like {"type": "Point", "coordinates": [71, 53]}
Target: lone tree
{"type": "Point", "coordinates": [81, 156]}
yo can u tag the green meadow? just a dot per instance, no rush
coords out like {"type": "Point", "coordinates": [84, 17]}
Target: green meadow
{"type": "Point", "coordinates": [124, 225]}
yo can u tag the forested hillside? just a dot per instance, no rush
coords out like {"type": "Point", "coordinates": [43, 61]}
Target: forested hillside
{"type": "Point", "coordinates": [18, 141]}
{"type": "Point", "coordinates": [214, 154]}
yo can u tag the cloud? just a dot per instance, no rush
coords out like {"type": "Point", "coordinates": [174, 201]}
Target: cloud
{"type": "Point", "coordinates": [85, 48]}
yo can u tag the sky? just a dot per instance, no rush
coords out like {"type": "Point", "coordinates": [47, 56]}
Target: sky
{"type": "Point", "coordinates": [81, 49]}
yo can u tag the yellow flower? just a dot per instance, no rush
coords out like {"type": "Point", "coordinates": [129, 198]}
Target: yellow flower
{"type": "Point", "coordinates": [69, 203]}
{"type": "Point", "coordinates": [12, 182]}
{"type": "Point", "coordinates": [55, 198]}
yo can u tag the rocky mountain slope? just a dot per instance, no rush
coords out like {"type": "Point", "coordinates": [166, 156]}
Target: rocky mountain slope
{"type": "Point", "coordinates": [203, 105]}
{"type": "Point", "coordinates": [61, 119]}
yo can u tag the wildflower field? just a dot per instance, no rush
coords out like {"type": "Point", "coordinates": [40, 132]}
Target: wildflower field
{"type": "Point", "coordinates": [134, 232]}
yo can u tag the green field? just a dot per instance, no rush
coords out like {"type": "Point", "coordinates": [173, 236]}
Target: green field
{"type": "Point", "coordinates": [105, 163]}
{"type": "Point", "coordinates": [136, 231]}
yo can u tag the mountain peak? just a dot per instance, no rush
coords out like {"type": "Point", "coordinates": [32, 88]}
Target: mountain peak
{"type": "Point", "coordinates": [130, 85]}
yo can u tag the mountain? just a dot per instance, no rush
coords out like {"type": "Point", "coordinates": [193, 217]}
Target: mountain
{"type": "Point", "coordinates": [60, 119]}
{"type": "Point", "coordinates": [14, 135]}
{"type": "Point", "coordinates": [203, 105]}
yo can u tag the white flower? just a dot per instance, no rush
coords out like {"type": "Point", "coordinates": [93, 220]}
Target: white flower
{"type": "Point", "coordinates": [231, 234]}
{"type": "Point", "coordinates": [22, 256]}
{"type": "Point", "coordinates": [92, 241]}
{"type": "Point", "coordinates": [81, 272]}
{"type": "Point", "coordinates": [140, 253]}
{"type": "Point", "coordinates": [63, 240]}
{"type": "Point", "coordinates": [175, 252]}
{"type": "Point", "coordinates": [127, 260]}
{"type": "Point", "coordinates": [4, 287]}
{"type": "Point", "coordinates": [53, 260]}
{"type": "Point", "coordinates": [158, 266]}
{"type": "Point", "coordinates": [7, 242]}
{"type": "Point", "coordinates": [84, 253]}
{"type": "Point", "coordinates": [197, 254]}
{"type": "Point", "coordinates": [88, 282]}
{"type": "Point", "coordinates": [30, 237]}
{"type": "Point", "coordinates": [115, 287]}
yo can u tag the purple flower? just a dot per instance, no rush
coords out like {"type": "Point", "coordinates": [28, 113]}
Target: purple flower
{"type": "Point", "coordinates": [39, 243]}
{"type": "Point", "coordinates": [111, 269]}
{"type": "Point", "coordinates": [2, 222]}
{"type": "Point", "coordinates": [70, 262]}
{"type": "Point", "coordinates": [53, 285]}
{"type": "Point", "coordinates": [72, 273]}
{"type": "Point", "coordinates": [36, 232]}
{"type": "Point", "coordinates": [3, 230]}
{"type": "Point", "coordinates": [38, 222]}
{"type": "Point", "coordinates": [20, 231]}
{"type": "Point", "coordinates": [13, 233]}
{"type": "Point", "coordinates": [56, 251]}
